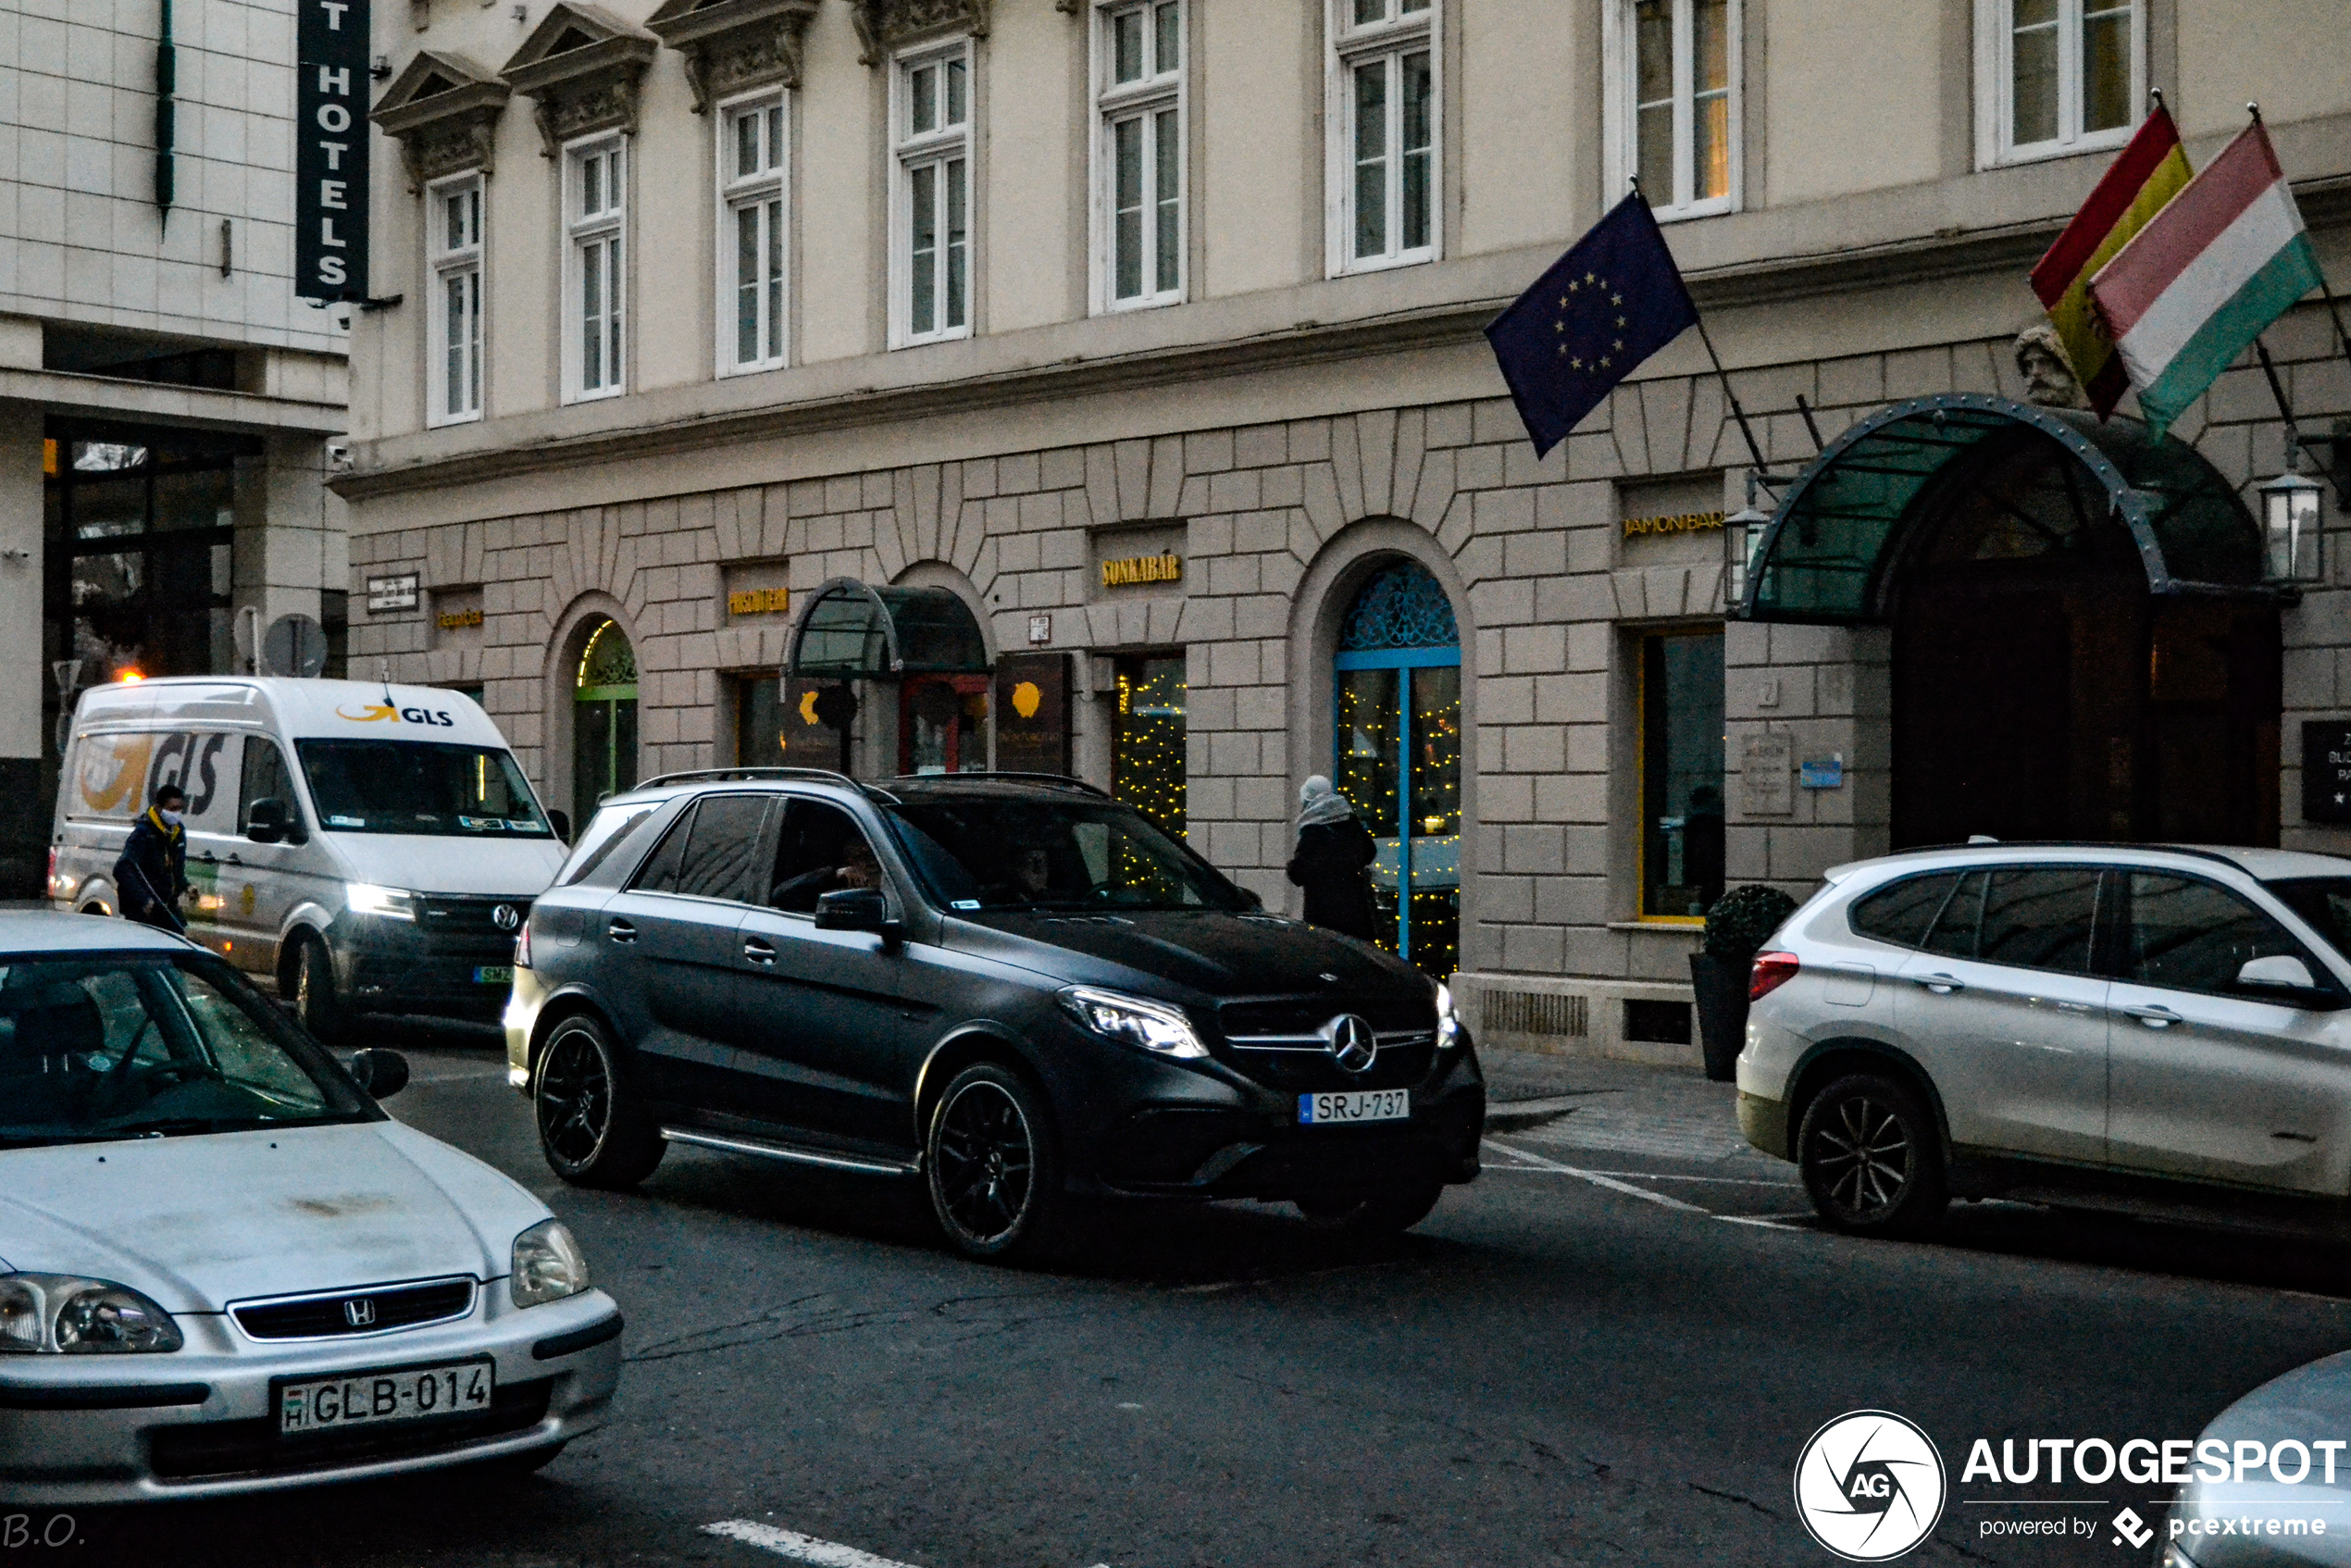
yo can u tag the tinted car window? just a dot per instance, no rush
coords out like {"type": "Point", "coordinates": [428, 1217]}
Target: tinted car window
{"type": "Point", "coordinates": [606, 833]}
{"type": "Point", "coordinates": [659, 873]}
{"type": "Point", "coordinates": [1900, 912]}
{"type": "Point", "coordinates": [820, 851]}
{"type": "Point", "coordinates": [723, 846]}
{"type": "Point", "coordinates": [2039, 919]}
{"type": "Point", "coordinates": [265, 777]}
{"type": "Point", "coordinates": [1961, 921]}
{"type": "Point", "coordinates": [2190, 935]}
{"type": "Point", "coordinates": [1020, 852]}
{"type": "Point", "coordinates": [2324, 901]}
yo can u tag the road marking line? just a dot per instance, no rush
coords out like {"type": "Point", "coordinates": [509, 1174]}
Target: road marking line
{"type": "Point", "coordinates": [800, 1548]}
{"type": "Point", "coordinates": [1536, 1162]}
{"type": "Point", "coordinates": [1717, 1181]}
{"type": "Point", "coordinates": [1768, 1222]}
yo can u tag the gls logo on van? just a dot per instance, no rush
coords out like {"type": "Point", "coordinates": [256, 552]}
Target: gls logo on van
{"type": "Point", "coordinates": [382, 713]}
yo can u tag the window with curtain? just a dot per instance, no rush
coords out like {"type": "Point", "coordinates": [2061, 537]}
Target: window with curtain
{"type": "Point", "coordinates": [1675, 103]}
{"type": "Point", "coordinates": [1382, 147]}
{"type": "Point", "coordinates": [2058, 76]}
{"type": "Point", "coordinates": [751, 235]}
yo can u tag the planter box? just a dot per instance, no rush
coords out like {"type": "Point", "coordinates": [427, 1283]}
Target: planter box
{"type": "Point", "coordinates": [1721, 1014]}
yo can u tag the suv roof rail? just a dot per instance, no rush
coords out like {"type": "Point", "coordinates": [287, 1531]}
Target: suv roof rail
{"type": "Point", "coordinates": [2196, 851]}
{"type": "Point", "coordinates": [1051, 780]}
{"type": "Point", "coordinates": [748, 775]}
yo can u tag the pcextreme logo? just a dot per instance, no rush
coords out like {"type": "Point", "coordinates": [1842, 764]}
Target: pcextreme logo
{"type": "Point", "coordinates": [384, 713]}
{"type": "Point", "coordinates": [1869, 1486]}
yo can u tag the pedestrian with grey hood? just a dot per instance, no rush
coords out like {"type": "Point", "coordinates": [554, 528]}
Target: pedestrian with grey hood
{"type": "Point", "coordinates": [1334, 852]}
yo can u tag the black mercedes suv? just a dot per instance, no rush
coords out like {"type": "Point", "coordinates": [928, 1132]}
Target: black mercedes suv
{"type": "Point", "coordinates": [1011, 987]}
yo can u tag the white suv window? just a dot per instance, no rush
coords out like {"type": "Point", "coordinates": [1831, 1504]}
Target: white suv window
{"type": "Point", "coordinates": [2022, 916]}
{"type": "Point", "coordinates": [2187, 935]}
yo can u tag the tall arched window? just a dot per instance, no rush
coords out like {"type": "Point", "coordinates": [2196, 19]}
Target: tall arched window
{"type": "Point", "coordinates": [604, 713]}
{"type": "Point", "coordinates": [1399, 734]}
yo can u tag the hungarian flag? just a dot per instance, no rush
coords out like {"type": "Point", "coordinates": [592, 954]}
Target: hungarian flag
{"type": "Point", "coordinates": [2151, 171]}
{"type": "Point", "coordinates": [2205, 277]}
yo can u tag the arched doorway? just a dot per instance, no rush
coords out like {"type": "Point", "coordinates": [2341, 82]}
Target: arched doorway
{"type": "Point", "coordinates": [2082, 643]}
{"type": "Point", "coordinates": [1399, 755]}
{"type": "Point", "coordinates": [2040, 690]}
{"type": "Point", "coordinates": [603, 715]}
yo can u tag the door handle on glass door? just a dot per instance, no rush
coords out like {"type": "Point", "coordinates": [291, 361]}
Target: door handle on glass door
{"type": "Point", "coordinates": [621, 931]}
{"type": "Point", "coordinates": [759, 950]}
{"type": "Point", "coordinates": [2155, 1017]}
{"type": "Point", "coordinates": [1940, 984]}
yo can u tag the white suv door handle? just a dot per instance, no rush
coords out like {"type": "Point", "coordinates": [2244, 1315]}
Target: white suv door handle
{"type": "Point", "coordinates": [1940, 983]}
{"type": "Point", "coordinates": [2154, 1017]}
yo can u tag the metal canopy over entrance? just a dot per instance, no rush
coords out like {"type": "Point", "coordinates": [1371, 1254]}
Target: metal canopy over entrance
{"type": "Point", "coordinates": [1832, 550]}
{"type": "Point", "coordinates": [851, 631]}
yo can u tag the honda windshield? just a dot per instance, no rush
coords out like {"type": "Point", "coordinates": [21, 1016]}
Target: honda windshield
{"type": "Point", "coordinates": [1017, 852]}
{"type": "Point", "coordinates": [420, 786]}
{"type": "Point", "coordinates": [111, 1046]}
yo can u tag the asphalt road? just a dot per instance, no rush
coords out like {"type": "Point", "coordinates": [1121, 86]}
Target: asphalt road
{"type": "Point", "coordinates": [1610, 1350]}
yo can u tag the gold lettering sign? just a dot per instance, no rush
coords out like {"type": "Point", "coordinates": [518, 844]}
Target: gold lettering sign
{"type": "Point", "coordinates": [1679, 522]}
{"type": "Point", "coordinates": [452, 619]}
{"type": "Point", "coordinates": [1143, 568]}
{"type": "Point", "coordinates": [759, 602]}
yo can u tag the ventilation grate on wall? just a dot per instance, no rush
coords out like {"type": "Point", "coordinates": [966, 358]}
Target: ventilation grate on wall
{"type": "Point", "coordinates": [1532, 1012]}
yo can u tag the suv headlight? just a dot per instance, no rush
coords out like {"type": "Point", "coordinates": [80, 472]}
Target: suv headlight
{"type": "Point", "coordinates": [1448, 1018]}
{"type": "Point", "coordinates": [65, 1314]}
{"type": "Point", "coordinates": [1133, 1020]}
{"type": "Point", "coordinates": [548, 1266]}
{"type": "Point", "coordinates": [366, 898]}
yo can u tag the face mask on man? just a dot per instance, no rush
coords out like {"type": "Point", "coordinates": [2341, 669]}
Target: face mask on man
{"type": "Point", "coordinates": [171, 817]}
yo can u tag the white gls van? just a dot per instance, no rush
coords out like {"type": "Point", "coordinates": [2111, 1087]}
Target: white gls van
{"type": "Point", "coordinates": [370, 848]}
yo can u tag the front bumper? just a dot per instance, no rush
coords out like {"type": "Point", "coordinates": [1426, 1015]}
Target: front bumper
{"type": "Point", "coordinates": [89, 1431]}
{"type": "Point", "coordinates": [435, 963]}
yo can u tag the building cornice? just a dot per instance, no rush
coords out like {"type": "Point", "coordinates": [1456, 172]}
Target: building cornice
{"type": "Point", "coordinates": [112, 397]}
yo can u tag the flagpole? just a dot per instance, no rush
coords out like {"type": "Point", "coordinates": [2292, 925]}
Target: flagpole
{"type": "Point", "coordinates": [1724, 376]}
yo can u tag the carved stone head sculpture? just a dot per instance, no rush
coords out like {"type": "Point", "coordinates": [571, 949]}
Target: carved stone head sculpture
{"type": "Point", "coordinates": [2049, 380]}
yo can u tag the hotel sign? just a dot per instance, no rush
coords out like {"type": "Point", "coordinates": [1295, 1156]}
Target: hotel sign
{"type": "Point", "coordinates": [1134, 569]}
{"type": "Point", "coordinates": [2326, 772]}
{"type": "Point", "coordinates": [331, 150]}
{"type": "Point", "coordinates": [1677, 522]}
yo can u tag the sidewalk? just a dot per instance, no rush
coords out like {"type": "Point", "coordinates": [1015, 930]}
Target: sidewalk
{"type": "Point", "coordinates": [1547, 1102]}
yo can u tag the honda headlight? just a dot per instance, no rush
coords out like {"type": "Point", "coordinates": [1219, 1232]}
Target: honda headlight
{"type": "Point", "coordinates": [65, 1314]}
{"type": "Point", "coordinates": [548, 1266]}
{"type": "Point", "coordinates": [1449, 1019]}
{"type": "Point", "coordinates": [366, 898]}
{"type": "Point", "coordinates": [1133, 1020]}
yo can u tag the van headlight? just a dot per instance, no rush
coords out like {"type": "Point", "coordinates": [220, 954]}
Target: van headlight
{"type": "Point", "coordinates": [1133, 1020]}
{"type": "Point", "coordinates": [1448, 1018]}
{"type": "Point", "coordinates": [65, 1314]}
{"type": "Point", "coordinates": [366, 898]}
{"type": "Point", "coordinates": [548, 1266]}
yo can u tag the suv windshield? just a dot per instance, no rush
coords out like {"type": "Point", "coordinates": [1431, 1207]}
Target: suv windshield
{"type": "Point", "coordinates": [997, 852]}
{"type": "Point", "coordinates": [2324, 901]}
{"type": "Point", "coordinates": [142, 1045]}
{"type": "Point", "coordinates": [419, 787]}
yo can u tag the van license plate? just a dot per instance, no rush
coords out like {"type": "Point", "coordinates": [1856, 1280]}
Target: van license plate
{"type": "Point", "coordinates": [1360, 1105]}
{"type": "Point", "coordinates": [368, 1399]}
{"type": "Point", "coordinates": [495, 975]}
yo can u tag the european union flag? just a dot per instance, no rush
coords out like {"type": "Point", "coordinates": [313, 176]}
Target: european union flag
{"type": "Point", "coordinates": [1609, 303]}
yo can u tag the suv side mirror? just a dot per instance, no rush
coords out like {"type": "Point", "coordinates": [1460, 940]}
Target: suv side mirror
{"type": "Point", "coordinates": [2286, 979]}
{"type": "Point", "coordinates": [561, 822]}
{"type": "Point", "coordinates": [853, 909]}
{"type": "Point", "coordinates": [265, 820]}
{"type": "Point", "coordinates": [382, 1072]}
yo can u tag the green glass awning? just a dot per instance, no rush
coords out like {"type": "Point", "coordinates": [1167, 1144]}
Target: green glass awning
{"type": "Point", "coordinates": [1835, 547]}
{"type": "Point", "coordinates": [851, 631]}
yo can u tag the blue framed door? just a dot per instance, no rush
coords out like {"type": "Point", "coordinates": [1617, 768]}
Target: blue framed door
{"type": "Point", "coordinates": [1398, 757]}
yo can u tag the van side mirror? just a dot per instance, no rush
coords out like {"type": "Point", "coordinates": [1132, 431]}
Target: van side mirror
{"type": "Point", "coordinates": [853, 909]}
{"type": "Point", "coordinates": [561, 822]}
{"type": "Point", "coordinates": [382, 1072]}
{"type": "Point", "coordinates": [265, 820]}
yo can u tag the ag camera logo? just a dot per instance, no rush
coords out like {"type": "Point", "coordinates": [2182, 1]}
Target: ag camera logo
{"type": "Point", "coordinates": [1869, 1486]}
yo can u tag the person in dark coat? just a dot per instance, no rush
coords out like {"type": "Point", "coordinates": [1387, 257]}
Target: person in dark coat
{"type": "Point", "coordinates": [1334, 848]}
{"type": "Point", "coordinates": [152, 876]}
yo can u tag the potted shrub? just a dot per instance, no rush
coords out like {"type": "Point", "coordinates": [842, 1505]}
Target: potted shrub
{"type": "Point", "coordinates": [1737, 928]}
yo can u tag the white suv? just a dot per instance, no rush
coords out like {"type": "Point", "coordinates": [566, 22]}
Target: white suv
{"type": "Point", "coordinates": [2165, 1031]}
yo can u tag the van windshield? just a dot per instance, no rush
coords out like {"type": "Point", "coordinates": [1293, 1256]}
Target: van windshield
{"type": "Point", "coordinates": [419, 787]}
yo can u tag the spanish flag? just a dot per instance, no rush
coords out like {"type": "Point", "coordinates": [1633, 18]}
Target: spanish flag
{"type": "Point", "coordinates": [2151, 171]}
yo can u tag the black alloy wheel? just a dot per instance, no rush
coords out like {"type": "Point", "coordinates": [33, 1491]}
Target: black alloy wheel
{"type": "Point", "coordinates": [1871, 1157]}
{"type": "Point", "coordinates": [589, 1125]}
{"type": "Point", "coordinates": [315, 1001]}
{"type": "Point", "coordinates": [1384, 1213]}
{"type": "Point", "coordinates": [993, 1169]}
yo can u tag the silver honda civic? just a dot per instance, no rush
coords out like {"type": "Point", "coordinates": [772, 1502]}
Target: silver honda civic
{"type": "Point", "coordinates": [224, 1269]}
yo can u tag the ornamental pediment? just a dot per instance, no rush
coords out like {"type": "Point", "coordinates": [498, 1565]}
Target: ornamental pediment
{"type": "Point", "coordinates": [730, 47]}
{"type": "Point", "coordinates": [884, 25]}
{"type": "Point", "coordinates": [580, 68]}
{"type": "Point", "coordinates": [443, 109]}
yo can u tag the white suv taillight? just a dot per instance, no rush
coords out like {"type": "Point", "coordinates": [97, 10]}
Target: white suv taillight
{"type": "Point", "coordinates": [1772, 971]}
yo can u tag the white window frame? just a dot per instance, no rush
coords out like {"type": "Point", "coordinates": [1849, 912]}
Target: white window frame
{"type": "Point", "coordinates": [1995, 84]}
{"type": "Point", "coordinates": [1620, 54]}
{"type": "Point", "coordinates": [462, 262]}
{"type": "Point", "coordinates": [767, 195]}
{"type": "Point", "coordinates": [1162, 90]}
{"type": "Point", "coordinates": [606, 230]}
{"type": "Point", "coordinates": [939, 148]}
{"type": "Point", "coordinates": [1352, 45]}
